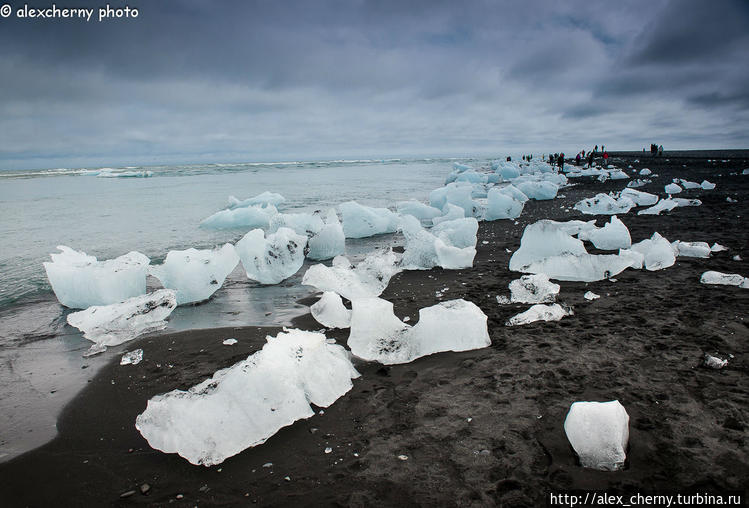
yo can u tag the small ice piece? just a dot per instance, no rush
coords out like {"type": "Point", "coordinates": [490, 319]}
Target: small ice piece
{"type": "Point", "coordinates": [307, 224]}
{"type": "Point", "coordinates": [672, 188]}
{"type": "Point", "coordinates": [714, 362]}
{"type": "Point", "coordinates": [418, 210]}
{"type": "Point", "coordinates": [718, 247]}
{"type": "Point", "coordinates": [111, 325]}
{"type": "Point", "coordinates": [725, 279]}
{"type": "Point", "coordinates": [539, 312]}
{"type": "Point", "coordinates": [330, 312]}
{"type": "Point", "coordinates": [534, 288]}
{"type": "Point", "coordinates": [244, 405]}
{"type": "Point", "coordinates": [501, 205]}
{"type": "Point", "coordinates": [638, 183]}
{"type": "Point", "coordinates": [604, 204]}
{"type": "Point", "coordinates": [686, 202]}
{"type": "Point", "coordinates": [378, 335]}
{"type": "Point", "coordinates": [265, 198]}
{"type": "Point", "coordinates": [657, 252]}
{"type": "Point", "coordinates": [330, 241]}
{"type": "Point", "coordinates": [664, 205]}
{"type": "Point", "coordinates": [229, 342]}
{"type": "Point", "coordinates": [361, 221]}
{"type": "Point", "coordinates": [687, 184]}
{"type": "Point", "coordinates": [80, 281]}
{"type": "Point", "coordinates": [196, 274]}
{"type": "Point", "coordinates": [645, 172]}
{"type": "Point", "coordinates": [590, 295]}
{"type": "Point", "coordinates": [328, 450]}
{"type": "Point", "coordinates": [449, 212]}
{"type": "Point", "coordinates": [736, 258]}
{"type": "Point", "coordinates": [639, 198]}
{"type": "Point", "coordinates": [612, 236]}
{"type": "Point", "coordinates": [618, 175]}
{"type": "Point", "coordinates": [707, 185]}
{"type": "Point", "coordinates": [132, 358]}
{"type": "Point", "coordinates": [368, 279]}
{"type": "Point", "coordinates": [745, 172]}
{"type": "Point", "coordinates": [599, 433]}
{"type": "Point", "coordinates": [691, 249]}
{"type": "Point", "coordinates": [240, 218]}
{"type": "Point", "coordinates": [271, 259]}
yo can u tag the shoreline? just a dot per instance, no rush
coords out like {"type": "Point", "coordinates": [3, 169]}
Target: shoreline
{"type": "Point", "coordinates": [641, 343]}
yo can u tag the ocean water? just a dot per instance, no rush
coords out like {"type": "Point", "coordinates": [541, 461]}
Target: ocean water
{"type": "Point", "coordinates": [41, 366]}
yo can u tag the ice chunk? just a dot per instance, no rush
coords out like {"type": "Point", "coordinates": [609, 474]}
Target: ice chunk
{"type": "Point", "coordinates": [378, 335]}
{"type": "Point", "coordinates": [229, 342]}
{"type": "Point", "coordinates": [265, 198]}
{"type": "Point", "coordinates": [418, 210]}
{"type": "Point", "coordinates": [132, 358]}
{"type": "Point", "coordinates": [618, 174]}
{"type": "Point", "coordinates": [604, 204]}
{"type": "Point", "coordinates": [362, 221]}
{"type": "Point", "coordinates": [368, 279]}
{"type": "Point", "coordinates": [686, 202]}
{"type": "Point", "coordinates": [196, 274]}
{"type": "Point", "coordinates": [541, 190]}
{"type": "Point", "coordinates": [460, 168]}
{"type": "Point", "coordinates": [713, 362]}
{"type": "Point", "coordinates": [456, 193]}
{"type": "Point", "coordinates": [539, 312]}
{"type": "Point", "coordinates": [707, 185]}
{"type": "Point", "coordinates": [80, 281]}
{"type": "Point", "coordinates": [450, 212]}
{"type": "Point", "coordinates": [535, 288]}
{"type": "Point", "coordinates": [725, 279]}
{"type": "Point", "coordinates": [638, 183]}
{"type": "Point", "coordinates": [458, 232]}
{"type": "Point", "coordinates": [330, 241]}
{"type": "Point", "coordinates": [330, 312]}
{"type": "Point", "coordinates": [111, 325]}
{"type": "Point", "coordinates": [687, 184]}
{"type": "Point", "coordinates": [590, 295]}
{"type": "Point", "coordinates": [645, 172]}
{"type": "Point", "coordinates": [273, 259]}
{"type": "Point", "coordinates": [612, 236]}
{"type": "Point", "coordinates": [513, 192]}
{"type": "Point", "coordinates": [448, 245]}
{"type": "Point", "coordinates": [501, 205]}
{"type": "Point", "coordinates": [307, 224]}
{"type": "Point", "coordinates": [664, 205]}
{"type": "Point", "coordinates": [672, 188]}
{"type": "Point", "coordinates": [599, 433]}
{"type": "Point", "coordinates": [718, 247]}
{"type": "Point", "coordinates": [244, 405]}
{"type": "Point", "coordinates": [245, 217]}
{"type": "Point", "coordinates": [691, 249]}
{"type": "Point", "coordinates": [472, 176]}
{"type": "Point", "coordinates": [639, 198]}
{"type": "Point", "coordinates": [657, 252]}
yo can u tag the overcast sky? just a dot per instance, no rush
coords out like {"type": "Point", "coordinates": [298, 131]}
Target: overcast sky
{"type": "Point", "coordinates": [198, 81]}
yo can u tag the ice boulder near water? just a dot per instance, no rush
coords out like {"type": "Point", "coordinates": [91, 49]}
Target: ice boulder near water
{"type": "Point", "coordinates": [265, 198]}
{"type": "Point", "coordinates": [502, 205]}
{"type": "Point", "coordinates": [599, 434]}
{"type": "Point", "coordinates": [378, 335]}
{"type": "Point", "coordinates": [538, 190]}
{"type": "Point", "coordinates": [449, 212]}
{"type": "Point", "coordinates": [361, 221]}
{"type": "Point", "coordinates": [368, 279]}
{"type": "Point", "coordinates": [330, 312]}
{"type": "Point", "coordinates": [243, 217]}
{"type": "Point", "coordinates": [244, 405]}
{"type": "Point", "coordinates": [417, 209]}
{"type": "Point", "coordinates": [450, 244]}
{"type": "Point", "coordinates": [330, 241]}
{"type": "Point", "coordinates": [307, 224]}
{"type": "Point", "coordinates": [80, 281]}
{"type": "Point", "coordinates": [111, 325]}
{"type": "Point", "coordinates": [639, 198]}
{"type": "Point", "coordinates": [196, 274]}
{"type": "Point", "coordinates": [271, 259]}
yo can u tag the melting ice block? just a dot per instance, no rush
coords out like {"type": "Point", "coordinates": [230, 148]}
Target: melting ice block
{"type": "Point", "coordinates": [604, 204]}
{"type": "Point", "coordinates": [265, 198]}
{"type": "Point", "coordinates": [378, 335]}
{"type": "Point", "coordinates": [450, 245]}
{"type": "Point", "coordinates": [111, 325]}
{"type": "Point", "coordinates": [726, 279]}
{"type": "Point", "coordinates": [368, 279]}
{"type": "Point", "coordinates": [691, 249]}
{"type": "Point", "coordinates": [458, 194]}
{"type": "Point", "coordinates": [273, 259]}
{"type": "Point", "coordinates": [707, 185]}
{"type": "Point", "coordinates": [132, 358]}
{"type": "Point", "coordinates": [502, 205]}
{"type": "Point", "coordinates": [418, 210]}
{"type": "Point", "coordinates": [599, 433]}
{"type": "Point", "coordinates": [361, 221]}
{"type": "Point", "coordinates": [330, 241]}
{"type": "Point", "coordinates": [539, 312]}
{"type": "Point", "coordinates": [664, 205]}
{"type": "Point", "coordinates": [80, 281]}
{"type": "Point", "coordinates": [196, 274]}
{"type": "Point", "coordinates": [539, 190]}
{"type": "Point", "coordinates": [639, 198]}
{"type": "Point", "coordinates": [449, 212]}
{"type": "Point", "coordinates": [244, 405]}
{"type": "Point", "coordinates": [672, 188]}
{"type": "Point", "coordinates": [330, 312]}
{"type": "Point", "coordinates": [307, 224]}
{"type": "Point", "coordinates": [243, 217]}
{"type": "Point", "coordinates": [535, 288]}
{"type": "Point", "coordinates": [612, 236]}
{"type": "Point", "coordinates": [657, 252]}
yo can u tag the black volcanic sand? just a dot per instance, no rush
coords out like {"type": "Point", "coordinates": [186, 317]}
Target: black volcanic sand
{"type": "Point", "coordinates": [481, 427]}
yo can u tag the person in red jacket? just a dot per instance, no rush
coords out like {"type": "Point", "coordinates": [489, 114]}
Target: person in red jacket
{"type": "Point", "coordinates": [605, 158]}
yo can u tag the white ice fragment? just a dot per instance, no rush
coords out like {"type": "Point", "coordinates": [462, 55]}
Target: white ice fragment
{"type": "Point", "coordinates": [368, 279]}
{"type": "Point", "coordinates": [687, 184]}
{"type": "Point", "coordinates": [686, 202]}
{"type": "Point", "coordinates": [449, 212]}
{"type": "Point", "coordinates": [458, 194]}
{"type": "Point", "coordinates": [265, 198]}
{"type": "Point", "coordinates": [604, 204]}
{"type": "Point", "coordinates": [111, 325]}
{"type": "Point", "coordinates": [645, 172]}
{"type": "Point", "coordinates": [132, 358]}
{"type": "Point", "coordinates": [664, 205]}
{"type": "Point", "coordinates": [418, 210]}
{"type": "Point", "coordinates": [657, 252]}
{"type": "Point", "coordinates": [271, 259]}
{"type": "Point", "coordinates": [691, 249]}
{"type": "Point", "coordinates": [725, 279]}
{"type": "Point", "coordinates": [244, 217]}
{"type": "Point", "coordinates": [330, 312]}
{"type": "Point", "coordinates": [707, 185]}
{"type": "Point", "coordinates": [736, 258]}
{"type": "Point", "coordinates": [378, 335]}
{"type": "Point", "coordinates": [718, 247]}
{"type": "Point", "coordinates": [330, 241]}
{"type": "Point", "coordinates": [638, 183]}
{"type": "Point", "coordinates": [714, 362]}
{"type": "Point", "coordinates": [229, 342]}
{"type": "Point", "coordinates": [613, 236]}
{"type": "Point", "coordinates": [450, 244]}
{"type": "Point", "coordinates": [639, 198]}
{"type": "Point", "coordinates": [590, 295]}
{"type": "Point", "coordinates": [502, 205]}
{"type": "Point", "coordinates": [307, 224]}
{"type": "Point", "coordinates": [361, 221]}
{"type": "Point", "coordinates": [196, 274]}
{"type": "Point", "coordinates": [80, 281]}
{"type": "Point", "coordinates": [534, 288]}
{"type": "Point", "coordinates": [672, 188]}
{"type": "Point", "coordinates": [599, 433]}
{"type": "Point", "coordinates": [244, 405]}
{"type": "Point", "coordinates": [539, 312]}
{"type": "Point", "coordinates": [538, 190]}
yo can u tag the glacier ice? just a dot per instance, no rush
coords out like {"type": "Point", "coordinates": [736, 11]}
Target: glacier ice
{"type": "Point", "coordinates": [132, 358]}
{"type": "Point", "coordinates": [450, 244]}
{"type": "Point", "coordinates": [539, 312]}
{"type": "Point", "coordinates": [657, 252]}
{"type": "Point", "coordinates": [361, 221]}
{"type": "Point", "coordinates": [612, 236]}
{"type": "Point", "coordinates": [265, 198]}
{"type": "Point", "coordinates": [686, 202]}
{"type": "Point", "coordinates": [599, 434]}
{"type": "Point", "coordinates": [672, 188]}
{"type": "Point", "coordinates": [330, 312]}
{"type": "Point", "coordinates": [111, 325]}
{"type": "Point", "coordinates": [645, 172]}
{"type": "Point", "coordinates": [590, 295]}
{"type": "Point", "coordinates": [80, 281]}
{"type": "Point", "coordinates": [417, 209]}
{"type": "Point", "coordinates": [725, 279]}
{"type": "Point", "coordinates": [638, 183]}
{"type": "Point", "coordinates": [686, 184]}
{"type": "Point", "coordinates": [714, 362]}
{"type": "Point", "coordinates": [691, 249]}
{"type": "Point", "coordinates": [707, 185]}
{"type": "Point", "coordinates": [330, 241]}
{"type": "Point", "coordinates": [501, 205]}
{"type": "Point", "coordinates": [538, 190]}
{"type": "Point", "coordinates": [244, 217]}
{"type": "Point", "coordinates": [307, 224]}
{"type": "Point", "coordinates": [514, 192]}
{"type": "Point", "coordinates": [378, 335]}
{"type": "Point", "coordinates": [369, 278]}
{"type": "Point", "coordinates": [716, 247]}
{"type": "Point", "coordinates": [664, 205]}
{"type": "Point", "coordinates": [604, 204]}
{"type": "Point", "coordinates": [458, 194]}
{"type": "Point", "coordinates": [244, 405]}
{"type": "Point", "coordinates": [639, 198]}
{"type": "Point", "coordinates": [271, 259]}
{"type": "Point", "coordinates": [450, 212]}
{"type": "Point", "coordinates": [196, 274]}
{"type": "Point", "coordinates": [534, 288]}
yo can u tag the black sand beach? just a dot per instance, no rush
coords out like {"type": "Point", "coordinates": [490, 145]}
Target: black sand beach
{"type": "Point", "coordinates": [479, 428]}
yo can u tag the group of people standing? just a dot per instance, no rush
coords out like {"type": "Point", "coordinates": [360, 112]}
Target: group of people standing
{"type": "Point", "coordinates": [655, 149]}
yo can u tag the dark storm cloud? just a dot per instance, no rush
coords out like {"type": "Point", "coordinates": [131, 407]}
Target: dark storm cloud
{"type": "Point", "coordinates": [195, 80]}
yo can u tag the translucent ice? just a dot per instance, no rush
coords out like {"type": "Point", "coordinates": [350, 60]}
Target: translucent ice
{"type": "Point", "coordinates": [369, 278]}
{"type": "Point", "coordinates": [273, 259]}
{"type": "Point", "coordinates": [330, 241]}
{"type": "Point", "coordinates": [672, 188]}
{"type": "Point", "coordinates": [725, 279]}
{"type": "Point", "coordinates": [645, 172]}
{"type": "Point", "coordinates": [265, 198]}
{"type": "Point", "coordinates": [691, 249]}
{"type": "Point", "coordinates": [307, 224]}
{"type": "Point", "coordinates": [378, 335]}
{"type": "Point", "coordinates": [502, 205]}
{"type": "Point", "coordinates": [450, 244]}
{"type": "Point", "coordinates": [714, 362]}
{"type": "Point", "coordinates": [361, 221]}
{"type": "Point", "coordinates": [450, 212]}
{"type": "Point", "coordinates": [535, 288]}
{"type": "Point", "coordinates": [457, 193]}
{"type": "Point", "coordinates": [132, 358]}
{"type": "Point", "coordinates": [604, 204]}
{"type": "Point", "coordinates": [539, 312]}
{"type": "Point", "coordinates": [418, 210]}
{"type": "Point", "coordinates": [330, 312]}
{"type": "Point", "coordinates": [243, 217]}
{"type": "Point", "coordinates": [687, 184]}
{"type": "Point", "coordinates": [612, 236]}
{"type": "Point", "coordinates": [638, 197]}
{"type": "Point", "coordinates": [196, 274]}
{"type": "Point", "coordinates": [111, 325]}
{"type": "Point", "coordinates": [664, 205]}
{"type": "Point", "coordinates": [540, 190]}
{"type": "Point", "coordinates": [80, 281]}
{"type": "Point", "coordinates": [599, 433]}
{"type": "Point", "coordinates": [244, 405]}
{"type": "Point", "coordinates": [590, 295]}
{"type": "Point", "coordinates": [707, 185]}
{"type": "Point", "coordinates": [657, 252]}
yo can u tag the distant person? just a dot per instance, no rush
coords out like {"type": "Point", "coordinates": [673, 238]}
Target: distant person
{"type": "Point", "coordinates": [583, 154]}
{"type": "Point", "coordinates": [577, 159]}
{"type": "Point", "coordinates": [560, 161]}
{"type": "Point", "coordinates": [660, 150]}
{"type": "Point", "coordinates": [551, 159]}
{"type": "Point", "coordinates": [590, 159]}
{"type": "Point", "coordinates": [603, 148]}
{"type": "Point", "coordinates": [509, 159]}
{"type": "Point", "coordinates": [595, 149]}
{"type": "Point", "coordinates": [605, 157]}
